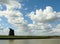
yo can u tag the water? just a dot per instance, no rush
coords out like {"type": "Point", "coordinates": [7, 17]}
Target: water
{"type": "Point", "coordinates": [31, 41]}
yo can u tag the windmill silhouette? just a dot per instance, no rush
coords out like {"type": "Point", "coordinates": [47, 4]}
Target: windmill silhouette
{"type": "Point", "coordinates": [11, 32]}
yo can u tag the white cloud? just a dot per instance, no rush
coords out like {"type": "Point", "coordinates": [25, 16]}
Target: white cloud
{"type": "Point", "coordinates": [46, 15]}
{"type": "Point", "coordinates": [3, 31]}
{"type": "Point", "coordinates": [6, 1]}
{"type": "Point", "coordinates": [3, 1]}
{"type": "Point", "coordinates": [38, 27]}
{"type": "Point", "coordinates": [14, 17]}
{"type": "Point", "coordinates": [57, 29]}
{"type": "Point", "coordinates": [11, 4]}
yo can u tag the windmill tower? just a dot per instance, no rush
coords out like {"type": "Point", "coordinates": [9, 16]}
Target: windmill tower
{"type": "Point", "coordinates": [11, 32]}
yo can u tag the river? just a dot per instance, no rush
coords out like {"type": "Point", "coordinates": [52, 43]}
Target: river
{"type": "Point", "coordinates": [31, 41]}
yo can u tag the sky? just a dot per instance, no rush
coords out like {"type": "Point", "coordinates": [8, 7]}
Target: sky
{"type": "Point", "coordinates": [30, 17]}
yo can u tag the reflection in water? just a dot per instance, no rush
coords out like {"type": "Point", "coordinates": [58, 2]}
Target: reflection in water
{"type": "Point", "coordinates": [11, 41]}
{"type": "Point", "coordinates": [18, 41]}
{"type": "Point", "coordinates": [31, 41]}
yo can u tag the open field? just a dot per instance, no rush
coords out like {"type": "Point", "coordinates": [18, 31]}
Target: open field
{"type": "Point", "coordinates": [29, 37]}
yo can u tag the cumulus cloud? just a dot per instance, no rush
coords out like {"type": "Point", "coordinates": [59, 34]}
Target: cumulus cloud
{"type": "Point", "coordinates": [14, 17]}
{"type": "Point", "coordinates": [6, 1]}
{"type": "Point", "coordinates": [39, 18]}
{"type": "Point", "coordinates": [57, 29]}
{"type": "Point", "coordinates": [3, 31]}
{"type": "Point", "coordinates": [46, 15]}
{"type": "Point", "coordinates": [11, 4]}
{"type": "Point", "coordinates": [3, 1]}
{"type": "Point", "coordinates": [11, 14]}
{"type": "Point", "coordinates": [39, 28]}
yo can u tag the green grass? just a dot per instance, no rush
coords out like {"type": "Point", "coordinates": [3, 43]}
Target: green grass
{"type": "Point", "coordinates": [29, 37]}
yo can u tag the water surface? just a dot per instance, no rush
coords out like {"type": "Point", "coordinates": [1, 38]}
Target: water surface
{"type": "Point", "coordinates": [31, 41]}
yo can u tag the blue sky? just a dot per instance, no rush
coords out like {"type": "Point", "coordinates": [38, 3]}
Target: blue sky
{"type": "Point", "coordinates": [32, 5]}
{"type": "Point", "coordinates": [37, 4]}
{"type": "Point", "coordinates": [28, 7]}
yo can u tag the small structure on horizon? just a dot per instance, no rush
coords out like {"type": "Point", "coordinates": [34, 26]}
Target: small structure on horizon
{"type": "Point", "coordinates": [11, 32]}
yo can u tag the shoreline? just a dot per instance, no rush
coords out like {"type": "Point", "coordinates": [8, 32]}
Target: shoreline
{"type": "Point", "coordinates": [29, 37]}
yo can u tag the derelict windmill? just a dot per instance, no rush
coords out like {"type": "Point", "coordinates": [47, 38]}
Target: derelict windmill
{"type": "Point", "coordinates": [11, 32]}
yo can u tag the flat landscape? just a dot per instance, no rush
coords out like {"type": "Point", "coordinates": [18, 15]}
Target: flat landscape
{"type": "Point", "coordinates": [29, 37]}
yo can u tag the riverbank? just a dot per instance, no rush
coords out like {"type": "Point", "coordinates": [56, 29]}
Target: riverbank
{"type": "Point", "coordinates": [29, 37]}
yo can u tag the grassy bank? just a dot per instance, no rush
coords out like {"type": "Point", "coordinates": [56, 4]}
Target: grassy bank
{"type": "Point", "coordinates": [28, 37]}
